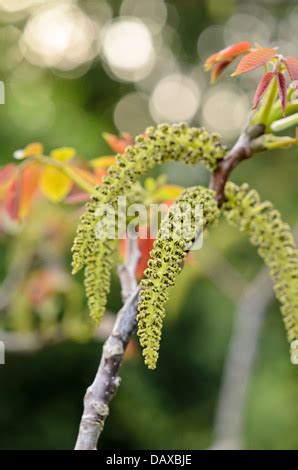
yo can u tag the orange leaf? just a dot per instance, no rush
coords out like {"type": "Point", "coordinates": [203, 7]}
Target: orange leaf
{"type": "Point", "coordinates": [262, 87]}
{"type": "Point", "coordinates": [292, 67]}
{"type": "Point", "coordinates": [21, 191]}
{"type": "Point", "coordinates": [254, 60]}
{"type": "Point", "coordinates": [145, 244]}
{"type": "Point", "coordinates": [282, 90]}
{"type": "Point", "coordinates": [227, 54]}
{"type": "Point", "coordinates": [28, 187]}
{"type": "Point", "coordinates": [11, 202]}
{"type": "Point", "coordinates": [233, 51]}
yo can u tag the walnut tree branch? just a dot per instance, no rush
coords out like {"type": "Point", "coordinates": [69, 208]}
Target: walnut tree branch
{"type": "Point", "coordinates": [106, 382]}
{"type": "Point", "coordinates": [247, 145]}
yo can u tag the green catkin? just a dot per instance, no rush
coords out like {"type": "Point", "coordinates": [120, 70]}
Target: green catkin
{"type": "Point", "coordinates": [98, 278]}
{"type": "Point", "coordinates": [158, 145]}
{"type": "Point", "coordinates": [166, 261]}
{"type": "Point", "coordinates": [276, 246]}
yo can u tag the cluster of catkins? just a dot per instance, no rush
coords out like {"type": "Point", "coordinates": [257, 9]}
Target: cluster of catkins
{"type": "Point", "coordinates": [178, 231]}
{"type": "Point", "coordinates": [157, 146]}
{"type": "Point", "coordinates": [276, 246]}
{"type": "Point", "coordinates": [242, 208]}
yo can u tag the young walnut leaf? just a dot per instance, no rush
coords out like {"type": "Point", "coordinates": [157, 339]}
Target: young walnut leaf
{"type": "Point", "coordinates": [254, 60]}
{"type": "Point", "coordinates": [227, 54]}
{"type": "Point", "coordinates": [292, 67]}
{"type": "Point", "coordinates": [28, 188]}
{"type": "Point", "coordinates": [261, 89]}
{"type": "Point", "coordinates": [282, 90]}
{"type": "Point", "coordinates": [219, 61]}
{"type": "Point", "coordinates": [230, 52]}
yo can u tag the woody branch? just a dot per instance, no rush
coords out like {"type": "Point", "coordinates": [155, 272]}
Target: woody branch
{"type": "Point", "coordinates": [107, 380]}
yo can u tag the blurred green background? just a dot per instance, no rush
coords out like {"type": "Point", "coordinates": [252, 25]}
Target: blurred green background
{"type": "Point", "coordinates": [73, 69]}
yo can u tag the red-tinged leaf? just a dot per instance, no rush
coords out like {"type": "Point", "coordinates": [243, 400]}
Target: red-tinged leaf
{"type": "Point", "coordinates": [282, 90]}
{"type": "Point", "coordinates": [29, 182]}
{"type": "Point", "coordinates": [145, 244]}
{"type": "Point", "coordinates": [292, 67]}
{"type": "Point", "coordinates": [19, 189]}
{"type": "Point", "coordinates": [261, 89]}
{"type": "Point", "coordinates": [227, 54]}
{"type": "Point", "coordinates": [254, 60]}
{"type": "Point", "coordinates": [11, 203]}
{"type": "Point", "coordinates": [234, 50]}
{"type": "Point", "coordinates": [218, 69]}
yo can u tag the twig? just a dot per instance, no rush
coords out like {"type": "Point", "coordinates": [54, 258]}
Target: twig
{"type": "Point", "coordinates": [246, 146]}
{"type": "Point", "coordinates": [106, 382]}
